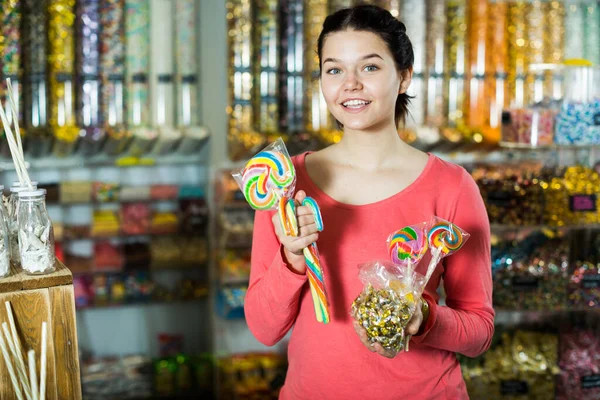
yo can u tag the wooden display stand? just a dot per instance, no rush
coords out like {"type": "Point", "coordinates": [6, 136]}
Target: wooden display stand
{"type": "Point", "coordinates": [35, 299]}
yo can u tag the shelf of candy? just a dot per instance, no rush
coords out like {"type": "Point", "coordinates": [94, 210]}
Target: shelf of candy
{"type": "Point", "coordinates": [513, 194]}
{"type": "Point", "coordinates": [521, 364]}
{"type": "Point", "coordinates": [531, 274]}
{"type": "Point", "coordinates": [128, 377]}
{"type": "Point", "coordinates": [235, 228]}
{"type": "Point", "coordinates": [527, 194]}
{"type": "Point", "coordinates": [134, 287]}
{"type": "Point", "coordinates": [584, 286]}
{"type": "Point", "coordinates": [234, 266]}
{"type": "Point", "coordinates": [580, 365]}
{"type": "Point", "coordinates": [251, 376]}
{"type": "Point", "coordinates": [573, 197]}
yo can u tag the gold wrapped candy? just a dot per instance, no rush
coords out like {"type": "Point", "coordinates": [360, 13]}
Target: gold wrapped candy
{"type": "Point", "coordinates": [384, 313]}
{"type": "Point", "coordinates": [61, 39]}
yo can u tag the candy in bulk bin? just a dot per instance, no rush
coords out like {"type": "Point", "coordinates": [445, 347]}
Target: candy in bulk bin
{"type": "Point", "coordinates": [537, 282]}
{"type": "Point", "coordinates": [532, 126]}
{"type": "Point", "coordinates": [578, 119]}
{"type": "Point", "coordinates": [523, 365]}
{"type": "Point", "coordinates": [584, 285]}
{"type": "Point", "coordinates": [573, 197]}
{"type": "Point", "coordinates": [580, 366]}
{"type": "Point", "coordinates": [513, 194]}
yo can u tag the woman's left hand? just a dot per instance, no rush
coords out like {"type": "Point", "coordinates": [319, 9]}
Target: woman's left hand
{"type": "Point", "coordinates": [413, 327]}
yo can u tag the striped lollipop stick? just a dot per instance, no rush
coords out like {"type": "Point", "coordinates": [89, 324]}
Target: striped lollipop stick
{"type": "Point", "coordinates": [314, 271]}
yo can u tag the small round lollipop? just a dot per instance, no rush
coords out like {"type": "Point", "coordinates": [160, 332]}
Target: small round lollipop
{"type": "Point", "coordinates": [446, 236]}
{"type": "Point", "coordinates": [408, 245]}
{"type": "Point", "coordinates": [267, 177]}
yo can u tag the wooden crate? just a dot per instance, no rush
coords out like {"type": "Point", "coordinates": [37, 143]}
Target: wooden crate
{"type": "Point", "coordinates": [35, 299]}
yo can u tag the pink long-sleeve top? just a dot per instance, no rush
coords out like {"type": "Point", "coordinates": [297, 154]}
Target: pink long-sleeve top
{"type": "Point", "coordinates": [329, 361]}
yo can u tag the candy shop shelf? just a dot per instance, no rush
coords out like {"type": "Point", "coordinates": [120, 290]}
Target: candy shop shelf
{"type": "Point", "coordinates": [525, 146]}
{"type": "Point", "coordinates": [143, 304]}
{"type": "Point", "coordinates": [179, 268]}
{"type": "Point", "coordinates": [509, 228]}
{"type": "Point", "coordinates": [123, 237]}
{"type": "Point", "coordinates": [104, 161]}
{"type": "Point", "coordinates": [101, 203]}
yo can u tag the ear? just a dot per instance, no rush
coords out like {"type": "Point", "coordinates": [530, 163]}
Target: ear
{"type": "Point", "coordinates": [405, 77]}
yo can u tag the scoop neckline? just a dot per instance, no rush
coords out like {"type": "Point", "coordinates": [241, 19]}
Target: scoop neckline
{"type": "Point", "coordinates": [326, 199]}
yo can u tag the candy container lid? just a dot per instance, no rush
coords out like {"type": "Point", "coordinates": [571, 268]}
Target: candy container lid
{"type": "Point", "coordinates": [18, 183]}
{"type": "Point", "coordinates": [18, 189]}
{"type": "Point", "coordinates": [32, 193]}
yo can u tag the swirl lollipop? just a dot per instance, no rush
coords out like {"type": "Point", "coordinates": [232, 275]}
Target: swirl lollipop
{"type": "Point", "coordinates": [444, 239]}
{"type": "Point", "coordinates": [408, 245]}
{"type": "Point", "coordinates": [268, 177]}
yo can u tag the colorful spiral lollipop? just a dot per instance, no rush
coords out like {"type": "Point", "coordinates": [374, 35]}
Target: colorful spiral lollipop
{"type": "Point", "coordinates": [446, 237]}
{"type": "Point", "coordinates": [408, 245]}
{"type": "Point", "coordinates": [267, 177]}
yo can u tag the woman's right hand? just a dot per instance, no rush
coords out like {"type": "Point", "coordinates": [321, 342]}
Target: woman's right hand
{"type": "Point", "coordinates": [307, 234]}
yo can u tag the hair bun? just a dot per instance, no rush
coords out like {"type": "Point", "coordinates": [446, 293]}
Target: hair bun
{"type": "Point", "coordinates": [402, 27]}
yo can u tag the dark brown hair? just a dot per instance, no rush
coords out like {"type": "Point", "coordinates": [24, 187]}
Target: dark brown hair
{"type": "Point", "coordinates": [369, 18]}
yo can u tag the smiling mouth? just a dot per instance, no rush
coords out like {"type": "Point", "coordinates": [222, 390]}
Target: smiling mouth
{"type": "Point", "coordinates": [355, 104]}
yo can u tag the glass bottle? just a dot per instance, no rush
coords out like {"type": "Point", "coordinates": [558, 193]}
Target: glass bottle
{"type": "Point", "coordinates": [4, 242]}
{"type": "Point", "coordinates": [11, 220]}
{"type": "Point", "coordinates": [36, 236]}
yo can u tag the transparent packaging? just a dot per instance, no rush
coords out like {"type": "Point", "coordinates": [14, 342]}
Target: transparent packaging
{"type": "Point", "coordinates": [268, 177]}
{"type": "Point", "coordinates": [387, 302]}
{"type": "Point", "coordinates": [4, 242]}
{"type": "Point", "coordinates": [12, 208]}
{"type": "Point", "coordinates": [36, 235]}
{"type": "Point", "coordinates": [578, 121]}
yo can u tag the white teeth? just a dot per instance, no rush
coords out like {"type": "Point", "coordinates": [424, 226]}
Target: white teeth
{"type": "Point", "coordinates": [354, 103]}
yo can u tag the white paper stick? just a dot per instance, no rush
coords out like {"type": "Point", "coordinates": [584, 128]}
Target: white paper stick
{"type": "Point", "coordinates": [15, 144]}
{"type": "Point", "coordinates": [33, 374]}
{"type": "Point", "coordinates": [20, 366]}
{"type": "Point", "coordinates": [8, 135]}
{"type": "Point", "coordinates": [17, 345]}
{"type": "Point", "coordinates": [43, 363]}
{"type": "Point", "coordinates": [10, 369]}
{"type": "Point", "coordinates": [13, 105]}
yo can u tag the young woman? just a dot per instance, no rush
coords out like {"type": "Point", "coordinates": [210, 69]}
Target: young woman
{"type": "Point", "coordinates": [368, 185]}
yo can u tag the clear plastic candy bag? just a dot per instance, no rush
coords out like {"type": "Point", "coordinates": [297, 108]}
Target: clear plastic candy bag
{"type": "Point", "coordinates": [388, 301]}
{"type": "Point", "coordinates": [268, 177]}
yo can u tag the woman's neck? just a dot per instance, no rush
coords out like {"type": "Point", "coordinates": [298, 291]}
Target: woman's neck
{"type": "Point", "coordinates": [371, 150]}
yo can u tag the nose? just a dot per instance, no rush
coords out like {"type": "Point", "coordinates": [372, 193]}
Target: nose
{"type": "Point", "coordinates": [351, 82]}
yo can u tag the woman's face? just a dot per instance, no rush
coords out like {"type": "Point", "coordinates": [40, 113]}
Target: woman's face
{"type": "Point", "coordinates": [359, 80]}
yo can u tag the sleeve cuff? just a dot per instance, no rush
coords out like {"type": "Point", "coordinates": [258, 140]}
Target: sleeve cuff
{"type": "Point", "coordinates": [431, 320]}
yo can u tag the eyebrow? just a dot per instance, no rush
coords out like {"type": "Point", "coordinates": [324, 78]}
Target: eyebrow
{"type": "Point", "coordinates": [372, 55]}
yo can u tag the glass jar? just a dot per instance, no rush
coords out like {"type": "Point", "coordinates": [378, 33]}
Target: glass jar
{"type": "Point", "coordinates": [11, 220]}
{"type": "Point", "coordinates": [36, 236]}
{"type": "Point", "coordinates": [578, 121]}
{"type": "Point", "coordinates": [4, 242]}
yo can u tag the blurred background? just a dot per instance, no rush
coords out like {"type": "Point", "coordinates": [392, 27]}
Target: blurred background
{"type": "Point", "coordinates": [133, 113]}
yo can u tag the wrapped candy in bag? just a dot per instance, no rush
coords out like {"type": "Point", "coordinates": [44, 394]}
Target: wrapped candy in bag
{"type": "Point", "coordinates": [387, 302]}
{"type": "Point", "coordinates": [392, 289]}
